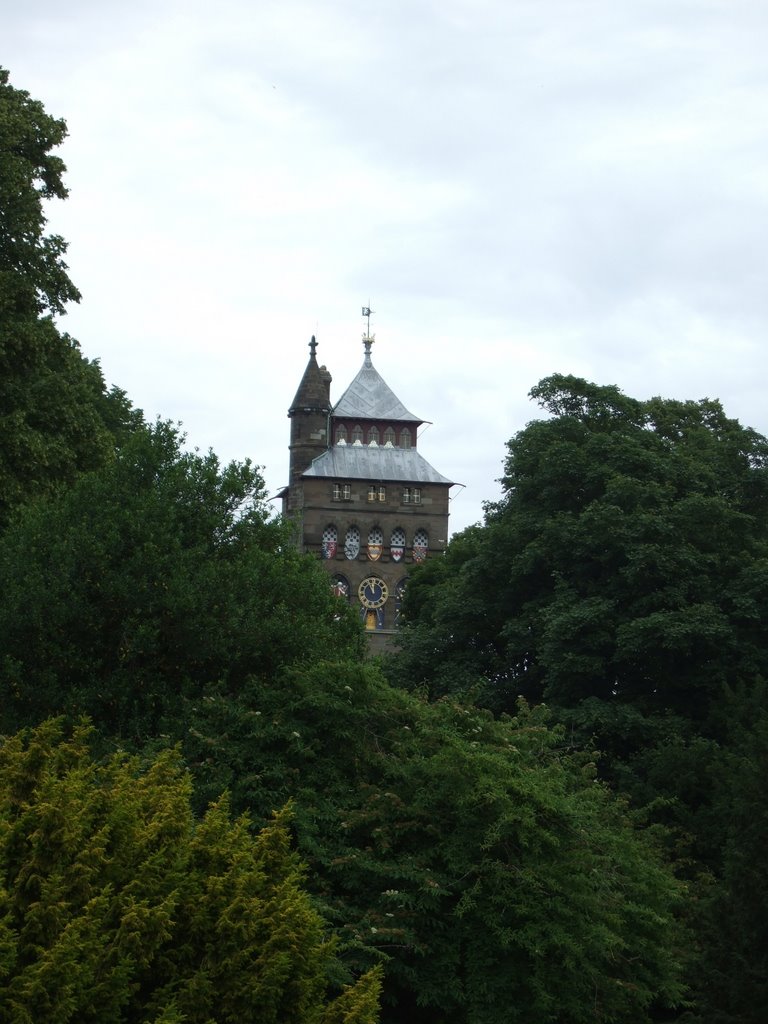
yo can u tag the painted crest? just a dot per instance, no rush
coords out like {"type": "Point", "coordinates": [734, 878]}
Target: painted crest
{"type": "Point", "coordinates": [374, 552]}
{"type": "Point", "coordinates": [329, 548]}
{"type": "Point", "coordinates": [397, 553]}
{"type": "Point", "coordinates": [352, 543]}
{"type": "Point", "coordinates": [419, 552]}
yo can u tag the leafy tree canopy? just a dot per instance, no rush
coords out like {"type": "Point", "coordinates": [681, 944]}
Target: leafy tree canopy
{"type": "Point", "coordinates": [116, 906]}
{"type": "Point", "coordinates": [56, 416]}
{"type": "Point", "coordinates": [491, 873]}
{"type": "Point", "coordinates": [623, 579]}
{"type": "Point", "coordinates": [146, 581]}
{"type": "Point", "coordinates": [627, 561]}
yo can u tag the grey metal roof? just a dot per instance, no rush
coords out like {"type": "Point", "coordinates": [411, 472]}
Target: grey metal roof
{"type": "Point", "coordinates": [369, 397]}
{"type": "Point", "coordinates": [360, 462]}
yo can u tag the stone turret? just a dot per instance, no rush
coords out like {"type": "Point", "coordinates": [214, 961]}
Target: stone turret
{"type": "Point", "coordinates": [309, 414]}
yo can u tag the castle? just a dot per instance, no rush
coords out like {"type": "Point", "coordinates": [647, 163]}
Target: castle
{"type": "Point", "coordinates": [363, 497]}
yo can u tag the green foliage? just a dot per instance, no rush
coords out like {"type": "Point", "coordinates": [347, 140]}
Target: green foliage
{"type": "Point", "coordinates": [623, 578]}
{"type": "Point", "coordinates": [147, 580]}
{"type": "Point", "coordinates": [33, 275]}
{"type": "Point", "coordinates": [116, 906]}
{"type": "Point", "coordinates": [627, 562]}
{"type": "Point", "coordinates": [491, 873]}
{"type": "Point", "coordinates": [56, 416]}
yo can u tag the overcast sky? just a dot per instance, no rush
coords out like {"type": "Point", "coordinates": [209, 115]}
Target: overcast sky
{"type": "Point", "coordinates": [518, 187]}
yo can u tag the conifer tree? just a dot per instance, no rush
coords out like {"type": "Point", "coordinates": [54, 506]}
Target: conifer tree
{"type": "Point", "coordinates": [117, 907]}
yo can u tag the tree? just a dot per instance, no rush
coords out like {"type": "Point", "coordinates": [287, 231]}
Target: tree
{"type": "Point", "coordinates": [489, 871]}
{"type": "Point", "coordinates": [117, 906]}
{"type": "Point", "coordinates": [623, 579]}
{"type": "Point", "coordinates": [626, 562]}
{"type": "Point", "coordinates": [148, 580]}
{"type": "Point", "coordinates": [56, 416]}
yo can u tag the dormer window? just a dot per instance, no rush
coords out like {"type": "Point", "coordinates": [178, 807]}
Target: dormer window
{"type": "Point", "coordinates": [357, 434]}
{"type": "Point", "coordinates": [373, 435]}
{"type": "Point", "coordinates": [341, 434]}
{"type": "Point", "coordinates": [389, 436]}
{"type": "Point", "coordinates": [405, 438]}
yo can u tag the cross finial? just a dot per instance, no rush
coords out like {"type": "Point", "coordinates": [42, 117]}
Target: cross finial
{"type": "Point", "coordinates": [312, 347]}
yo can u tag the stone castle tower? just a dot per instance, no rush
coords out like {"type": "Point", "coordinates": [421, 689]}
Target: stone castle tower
{"type": "Point", "coordinates": [365, 500]}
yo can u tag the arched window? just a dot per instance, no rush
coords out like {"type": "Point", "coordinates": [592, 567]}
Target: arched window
{"type": "Point", "coordinates": [373, 435]}
{"type": "Point", "coordinates": [397, 544]}
{"type": "Point", "coordinates": [341, 434]}
{"type": "Point", "coordinates": [420, 545]}
{"type": "Point", "coordinates": [389, 436]}
{"type": "Point", "coordinates": [330, 541]}
{"type": "Point", "coordinates": [357, 434]}
{"type": "Point", "coordinates": [352, 543]}
{"type": "Point", "coordinates": [405, 438]}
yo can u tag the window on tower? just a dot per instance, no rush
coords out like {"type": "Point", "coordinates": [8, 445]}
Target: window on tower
{"type": "Point", "coordinates": [411, 495]}
{"type": "Point", "coordinates": [389, 436]}
{"type": "Point", "coordinates": [342, 492]}
{"type": "Point", "coordinates": [357, 434]}
{"type": "Point", "coordinates": [373, 435]}
{"type": "Point", "coordinates": [405, 438]}
{"type": "Point", "coordinates": [341, 433]}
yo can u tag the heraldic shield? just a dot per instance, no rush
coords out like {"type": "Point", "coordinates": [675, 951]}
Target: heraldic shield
{"type": "Point", "coordinates": [375, 544]}
{"type": "Point", "coordinates": [420, 544]}
{"type": "Point", "coordinates": [397, 544]}
{"type": "Point", "coordinates": [330, 542]}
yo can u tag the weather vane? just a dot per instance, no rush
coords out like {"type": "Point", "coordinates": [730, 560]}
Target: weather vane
{"type": "Point", "coordinates": [367, 311]}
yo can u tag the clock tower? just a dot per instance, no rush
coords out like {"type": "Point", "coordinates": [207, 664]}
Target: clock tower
{"type": "Point", "coordinates": [364, 498]}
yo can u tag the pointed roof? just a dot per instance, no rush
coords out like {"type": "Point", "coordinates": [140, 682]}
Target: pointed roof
{"type": "Point", "coordinates": [314, 389]}
{"type": "Point", "coordinates": [369, 397]}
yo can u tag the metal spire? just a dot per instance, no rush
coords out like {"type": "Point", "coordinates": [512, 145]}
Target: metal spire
{"type": "Point", "coordinates": [368, 338]}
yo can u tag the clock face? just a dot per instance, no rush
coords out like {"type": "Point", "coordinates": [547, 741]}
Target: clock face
{"type": "Point", "coordinates": [373, 592]}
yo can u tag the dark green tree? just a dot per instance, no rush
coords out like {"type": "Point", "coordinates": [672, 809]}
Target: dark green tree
{"type": "Point", "coordinates": [627, 562]}
{"type": "Point", "coordinates": [56, 416]}
{"type": "Point", "coordinates": [116, 906]}
{"type": "Point", "coordinates": [623, 579]}
{"type": "Point", "coordinates": [147, 581]}
{"type": "Point", "coordinates": [490, 872]}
